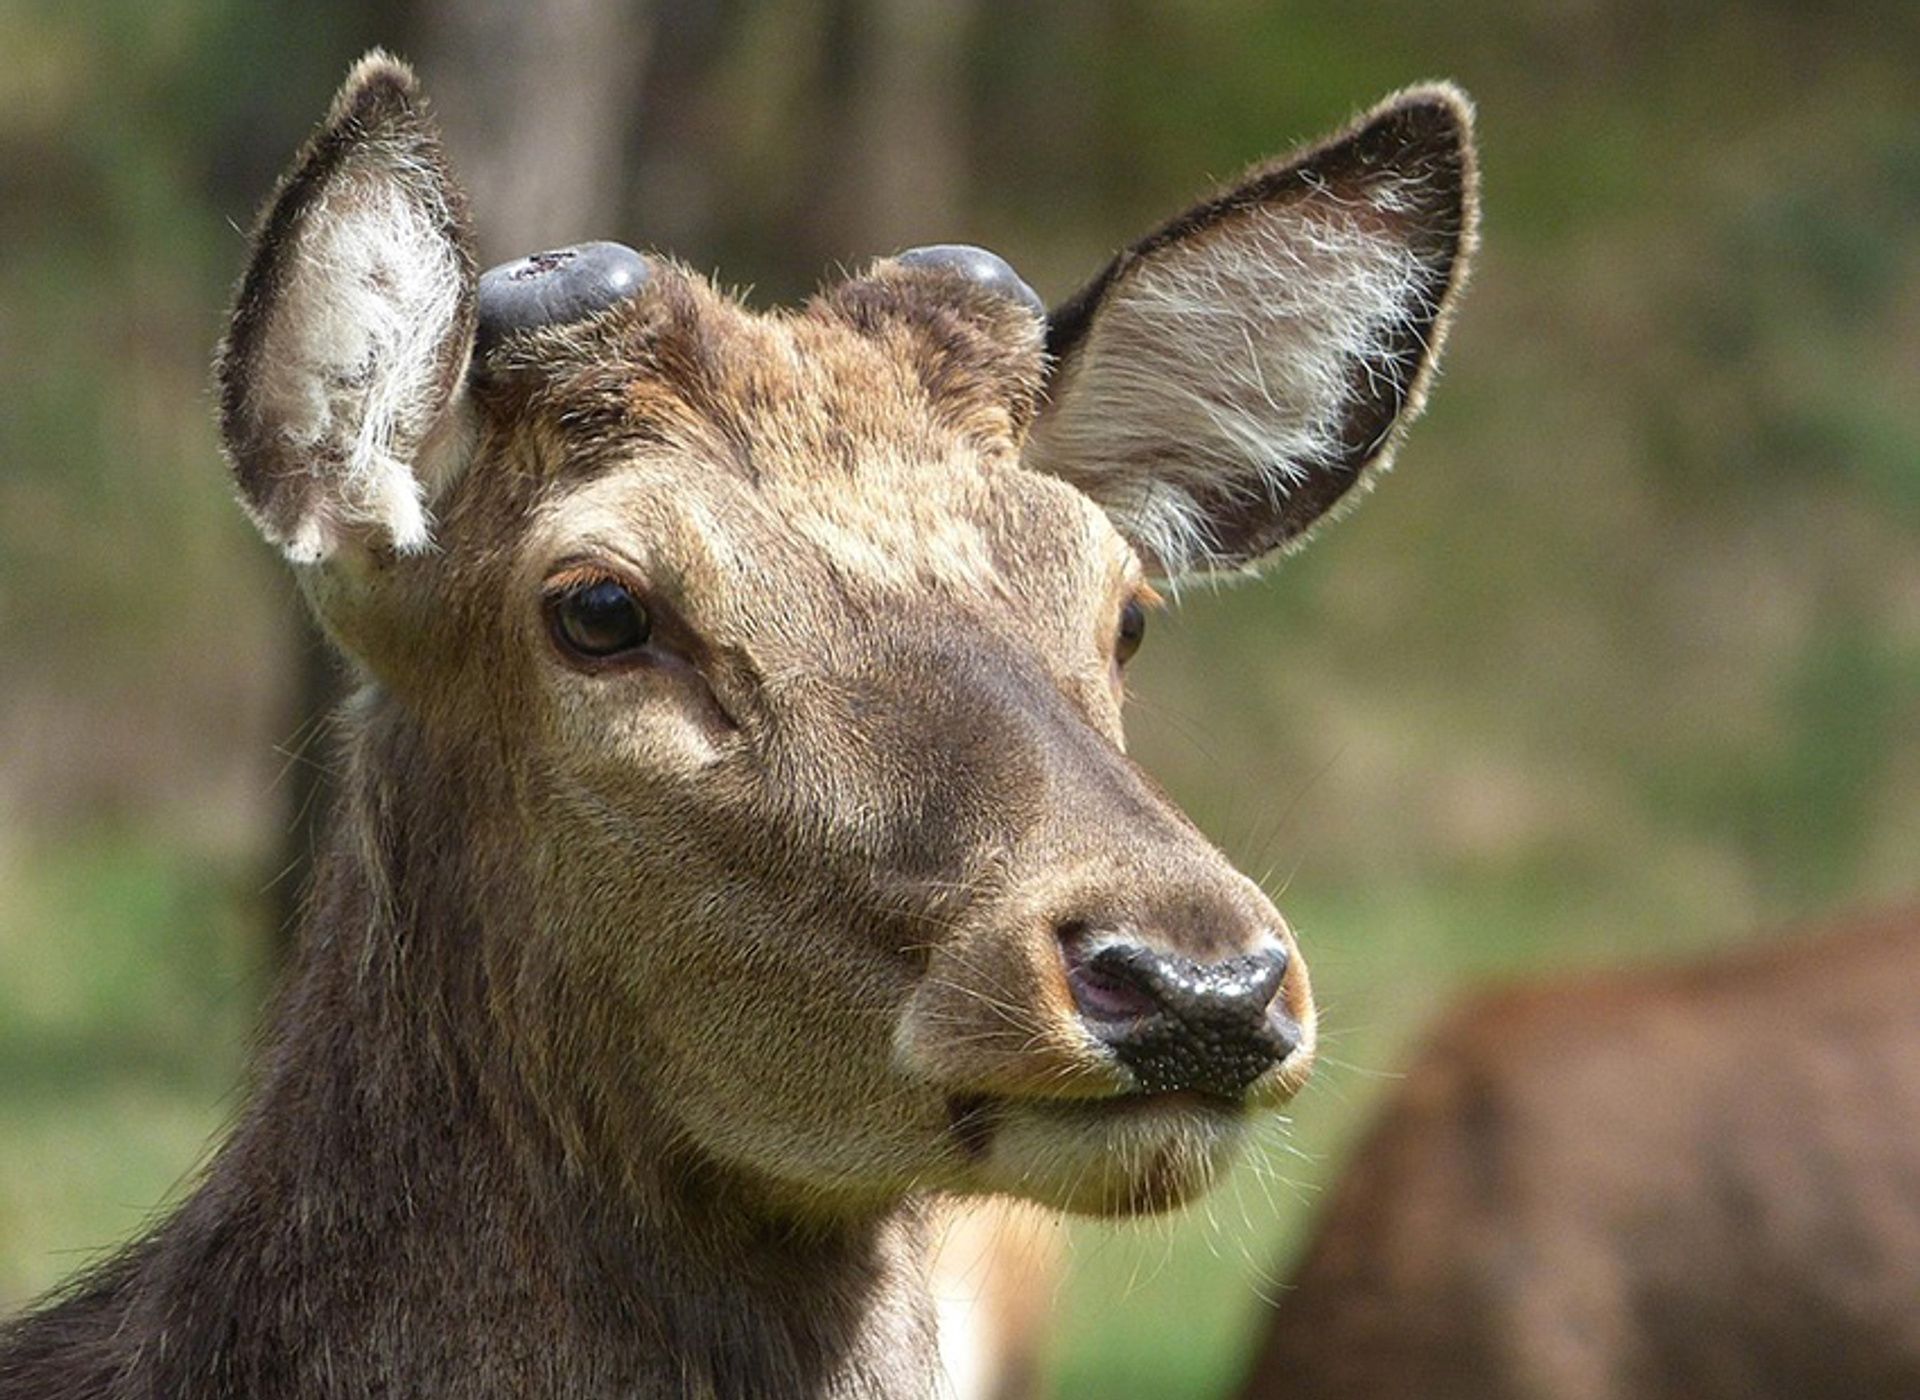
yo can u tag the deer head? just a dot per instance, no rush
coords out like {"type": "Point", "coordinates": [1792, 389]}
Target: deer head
{"type": "Point", "coordinates": [746, 688]}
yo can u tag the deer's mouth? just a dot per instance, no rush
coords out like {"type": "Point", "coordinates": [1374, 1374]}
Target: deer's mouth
{"type": "Point", "coordinates": [1114, 1156]}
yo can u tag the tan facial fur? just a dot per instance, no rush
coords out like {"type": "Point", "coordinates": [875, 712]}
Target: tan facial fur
{"type": "Point", "coordinates": [799, 875]}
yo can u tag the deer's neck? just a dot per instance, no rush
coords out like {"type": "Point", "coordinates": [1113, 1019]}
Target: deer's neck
{"type": "Point", "coordinates": [393, 1215]}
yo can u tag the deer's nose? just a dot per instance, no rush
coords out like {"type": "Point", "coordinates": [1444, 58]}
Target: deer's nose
{"type": "Point", "coordinates": [1178, 1024]}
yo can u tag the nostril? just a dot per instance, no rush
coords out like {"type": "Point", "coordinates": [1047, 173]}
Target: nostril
{"type": "Point", "coordinates": [1107, 984]}
{"type": "Point", "coordinates": [1109, 989]}
{"type": "Point", "coordinates": [1255, 979]}
{"type": "Point", "coordinates": [1104, 997]}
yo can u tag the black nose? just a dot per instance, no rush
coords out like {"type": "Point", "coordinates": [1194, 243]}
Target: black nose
{"type": "Point", "coordinates": [1179, 1024]}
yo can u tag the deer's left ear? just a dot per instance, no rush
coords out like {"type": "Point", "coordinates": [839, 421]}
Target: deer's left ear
{"type": "Point", "coordinates": [341, 369]}
{"type": "Point", "coordinates": [1230, 378]}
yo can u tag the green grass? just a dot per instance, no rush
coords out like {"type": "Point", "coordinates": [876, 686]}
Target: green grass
{"type": "Point", "coordinates": [131, 985]}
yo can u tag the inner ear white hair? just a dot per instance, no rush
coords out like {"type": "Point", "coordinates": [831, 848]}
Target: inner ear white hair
{"type": "Point", "coordinates": [340, 373]}
{"type": "Point", "coordinates": [1228, 380]}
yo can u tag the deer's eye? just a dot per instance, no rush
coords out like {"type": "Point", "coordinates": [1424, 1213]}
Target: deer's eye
{"type": "Point", "coordinates": [1133, 627]}
{"type": "Point", "coordinates": [597, 619]}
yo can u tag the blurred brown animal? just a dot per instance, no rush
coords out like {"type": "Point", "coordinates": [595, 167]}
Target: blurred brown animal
{"type": "Point", "coordinates": [1692, 1183]}
{"type": "Point", "coordinates": [737, 850]}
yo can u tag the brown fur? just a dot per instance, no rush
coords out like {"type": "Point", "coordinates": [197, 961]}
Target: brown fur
{"type": "Point", "coordinates": [642, 1003]}
{"type": "Point", "coordinates": [1689, 1184]}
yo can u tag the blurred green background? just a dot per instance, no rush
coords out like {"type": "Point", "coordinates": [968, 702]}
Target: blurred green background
{"type": "Point", "coordinates": [1623, 663]}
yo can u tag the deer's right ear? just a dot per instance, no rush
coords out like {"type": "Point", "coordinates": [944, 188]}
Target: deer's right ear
{"type": "Point", "coordinates": [340, 373]}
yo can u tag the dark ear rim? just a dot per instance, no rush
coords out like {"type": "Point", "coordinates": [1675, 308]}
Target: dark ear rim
{"type": "Point", "coordinates": [1432, 122]}
{"type": "Point", "coordinates": [1424, 131]}
{"type": "Point", "coordinates": [379, 104]}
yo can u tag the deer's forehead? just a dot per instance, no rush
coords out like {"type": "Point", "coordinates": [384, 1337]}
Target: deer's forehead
{"type": "Point", "coordinates": [886, 527]}
{"type": "Point", "coordinates": [736, 447]}
{"type": "Point", "coordinates": [866, 367]}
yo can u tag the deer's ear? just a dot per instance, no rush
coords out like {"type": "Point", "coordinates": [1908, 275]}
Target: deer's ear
{"type": "Point", "coordinates": [1231, 377]}
{"type": "Point", "coordinates": [341, 368]}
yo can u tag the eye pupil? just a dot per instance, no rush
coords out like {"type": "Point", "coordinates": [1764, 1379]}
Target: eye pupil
{"type": "Point", "coordinates": [1133, 627]}
{"type": "Point", "coordinates": [599, 620]}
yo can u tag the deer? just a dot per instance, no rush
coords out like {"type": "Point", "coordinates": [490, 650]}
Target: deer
{"type": "Point", "coordinates": [737, 855]}
{"type": "Point", "coordinates": [1698, 1181]}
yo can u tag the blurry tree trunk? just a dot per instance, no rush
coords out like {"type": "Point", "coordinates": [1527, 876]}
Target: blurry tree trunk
{"type": "Point", "coordinates": [906, 125]}
{"type": "Point", "coordinates": [537, 103]}
{"type": "Point", "coordinates": [781, 141]}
